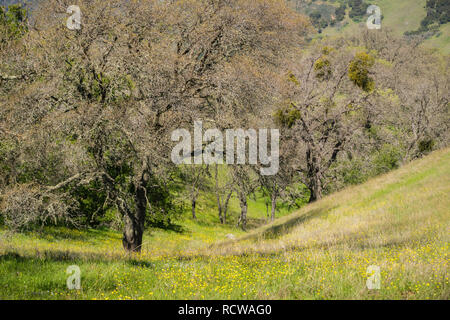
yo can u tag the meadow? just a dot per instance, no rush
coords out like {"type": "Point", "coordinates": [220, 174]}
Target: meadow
{"type": "Point", "coordinates": [399, 16]}
{"type": "Point", "coordinates": [398, 221]}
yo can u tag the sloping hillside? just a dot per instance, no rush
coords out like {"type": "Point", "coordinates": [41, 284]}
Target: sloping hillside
{"type": "Point", "coordinates": [400, 16]}
{"type": "Point", "coordinates": [406, 207]}
{"type": "Point", "coordinates": [398, 222]}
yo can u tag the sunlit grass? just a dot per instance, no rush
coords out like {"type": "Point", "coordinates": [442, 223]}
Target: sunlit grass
{"type": "Point", "coordinates": [399, 222]}
{"type": "Point", "coordinates": [399, 16]}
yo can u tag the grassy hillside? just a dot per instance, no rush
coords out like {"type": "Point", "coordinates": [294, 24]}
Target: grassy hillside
{"type": "Point", "coordinates": [398, 15]}
{"type": "Point", "coordinates": [440, 41]}
{"type": "Point", "coordinates": [399, 222]}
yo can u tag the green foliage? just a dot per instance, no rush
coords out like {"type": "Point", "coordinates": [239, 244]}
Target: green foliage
{"type": "Point", "coordinates": [322, 66]}
{"type": "Point", "coordinates": [386, 159]}
{"type": "Point", "coordinates": [318, 21]}
{"type": "Point", "coordinates": [165, 208]}
{"type": "Point", "coordinates": [321, 14]}
{"type": "Point", "coordinates": [426, 146]}
{"type": "Point", "coordinates": [97, 86]}
{"type": "Point", "coordinates": [296, 196]}
{"type": "Point", "coordinates": [357, 170]}
{"type": "Point", "coordinates": [13, 22]}
{"type": "Point", "coordinates": [287, 116]}
{"type": "Point", "coordinates": [92, 204]}
{"type": "Point", "coordinates": [358, 9]}
{"type": "Point", "coordinates": [340, 12]}
{"type": "Point", "coordinates": [292, 78]}
{"type": "Point", "coordinates": [359, 70]}
{"type": "Point", "coordinates": [354, 171]}
{"type": "Point", "coordinates": [326, 50]}
{"type": "Point", "coordinates": [347, 172]}
{"type": "Point", "coordinates": [438, 11]}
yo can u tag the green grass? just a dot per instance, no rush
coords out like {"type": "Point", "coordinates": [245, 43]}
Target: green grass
{"type": "Point", "coordinates": [440, 41]}
{"type": "Point", "coordinates": [399, 16]}
{"type": "Point", "coordinates": [398, 221]}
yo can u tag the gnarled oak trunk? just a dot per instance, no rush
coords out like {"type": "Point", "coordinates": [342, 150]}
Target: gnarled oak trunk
{"type": "Point", "coordinates": [315, 189]}
{"type": "Point", "coordinates": [134, 222]}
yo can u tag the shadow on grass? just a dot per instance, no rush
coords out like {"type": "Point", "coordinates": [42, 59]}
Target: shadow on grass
{"type": "Point", "coordinates": [168, 226]}
{"type": "Point", "coordinates": [254, 223]}
{"type": "Point", "coordinates": [63, 233]}
{"type": "Point", "coordinates": [13, 256]}
{"type": "Point", "coordinates": [142, 264]}
{"type": "Point", "coordinates": [40, 278]}
{"type": "Point", "coordinates": [278, 230]}
{"type": "Point", "coordinates": [60, 256]}
{"type": "Point", "coordinates": [67, 256]}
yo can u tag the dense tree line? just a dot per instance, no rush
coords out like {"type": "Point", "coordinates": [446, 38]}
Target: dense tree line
{"type": "Point", "coordinates": [438, 11]}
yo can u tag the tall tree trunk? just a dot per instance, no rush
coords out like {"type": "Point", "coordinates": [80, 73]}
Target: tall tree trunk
{"type": "Point", "coordinates": [274, 205]}
{"type": "Point", "coordinates": [194, 216]}
{"type": "Point", "coordinates": [221, 219]}
{"type": "Point", "coordinates": [222, 201]}
{"type": "Point", "coordinates": [134, 222]}
{"type": "Point", "coordinates": [219, 202]}
{"type": "Point", "coordinates": [314, 184]}
{"type": "Point", "coordinates": [315, 189]}
{"type": "Point", "coordinates": [243, 203]}
{"type": "Point", "coordinates": [219, 206]}
{"type": "Point", "coordinates": [225, 206]}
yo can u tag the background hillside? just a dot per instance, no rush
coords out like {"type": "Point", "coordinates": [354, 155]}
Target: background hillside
{"type": "Point", "coordinates": [398, 221]}
{"type": "Point", "coordinates": [400, 16]}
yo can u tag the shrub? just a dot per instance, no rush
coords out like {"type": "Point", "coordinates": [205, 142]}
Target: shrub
{"type": "Point", "coordinates": [386, 159]}
{"type": "Point", "coordinates": [359, 70]}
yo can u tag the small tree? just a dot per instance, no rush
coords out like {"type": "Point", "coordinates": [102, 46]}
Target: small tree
{"type": "Point", "coordinates": [245, 183]}
{"type": "Point", "coordinates": [195, 177]}
{"type": "Point", "coordinates": [223, 193]}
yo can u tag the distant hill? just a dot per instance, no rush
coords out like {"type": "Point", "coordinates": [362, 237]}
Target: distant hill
{"type": "Point", "coordinates": [421, 18]}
